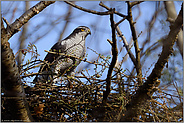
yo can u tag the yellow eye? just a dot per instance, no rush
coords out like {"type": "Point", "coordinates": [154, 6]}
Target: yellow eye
{"type": "Point", "coordinates": [82, 30]}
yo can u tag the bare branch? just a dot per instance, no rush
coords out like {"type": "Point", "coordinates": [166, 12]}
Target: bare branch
{"type": "Point", "coordinates": [136, 45]}
{"type": "Point", "coordinates": [74, 57]}
{"type": "Point", "coordinates": [120, 21]}
{"type": "Point", "coordinates": [22, 37]}
{"type": "Point", "coordinates": [122, 37]}
{"type": "Point", "coordinates": [135, 3]}
{"type": "Point", "coordinates": [7, 23]}
{"type": "Point", "coordinates": [113, 62]}
{"type": "Point", "coordinates": [88, 10]}
{"type": "Point", "coordinates": [101, 4]}
{"type": "Point", "coordinates": [146, 90]}
{"type": "Point", "coordinates": [171, 13]}
{"type": "Point", "coordinates": [126, 46]}
{"type": "Point", "coordinates": [15, 27]}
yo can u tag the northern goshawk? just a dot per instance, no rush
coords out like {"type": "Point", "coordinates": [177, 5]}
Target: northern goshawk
{"type": "Point", "coordinates": [61, 61]}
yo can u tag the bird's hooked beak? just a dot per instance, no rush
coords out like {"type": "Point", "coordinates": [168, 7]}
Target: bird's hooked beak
{"type": "Point", "coordinates": [89, 31]}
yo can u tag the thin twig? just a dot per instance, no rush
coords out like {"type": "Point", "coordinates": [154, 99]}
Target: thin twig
{"type": "Point", "coordinates": [7, 23]}
{"type": "Point", "coordinates": [120, 21]}
{"type": "Point", "coordinates": [88, 10]}
{"type": "Point", "coordinates": [74, 57]}
{"type": "Point", "coordinates": [121, 15]}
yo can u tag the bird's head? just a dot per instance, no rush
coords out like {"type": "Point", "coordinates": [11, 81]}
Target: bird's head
{"type": "Point", "coordinates": [83, 30]}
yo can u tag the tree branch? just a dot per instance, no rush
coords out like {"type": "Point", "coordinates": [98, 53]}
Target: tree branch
{"type": "Point", "coordinates": [126, 46]}
{"type": "Point", "coordinates": [22, 37]}
{"type": "Point", "coordinates": [145, 91]}
{"type": "Point", "coordinates": [171, 13]}
{"type": "Point", "coordinates": [87, 10]}
{"type": "Point", "coordinates": [15, 27]}
{"type": "Point", "coordinates": [134, 60]}
{"type": "Point", "coordinates": [135, 3]}
{"type": "Point", "coordinates": [136, 45]}
{"type": "Point", "coordinates": [121, 15]}
{"type": "Point", "coordinates": [113, 62]}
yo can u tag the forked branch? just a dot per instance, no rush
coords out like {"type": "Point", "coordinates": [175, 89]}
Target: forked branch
{"type": "Point", "coordinates": [113, 62]}
{"type": "Point", "coordinates": [145, 91]}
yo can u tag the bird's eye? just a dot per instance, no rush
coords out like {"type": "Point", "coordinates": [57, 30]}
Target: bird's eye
{"type": "Point", "coordinates": [82, 30]}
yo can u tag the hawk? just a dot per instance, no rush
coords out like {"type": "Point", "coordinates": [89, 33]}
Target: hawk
{"type": "Point", "coordinates": [61, 61]}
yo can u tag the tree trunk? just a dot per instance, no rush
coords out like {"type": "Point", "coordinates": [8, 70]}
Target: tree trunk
{"type": "Point", "coordinates": [16, 104]}
{"type": "Point", "coordinates": [17, 107]}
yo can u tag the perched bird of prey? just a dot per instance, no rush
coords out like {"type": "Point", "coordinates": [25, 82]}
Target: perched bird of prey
{"type": "Point", "coordinates": [58, 62]}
